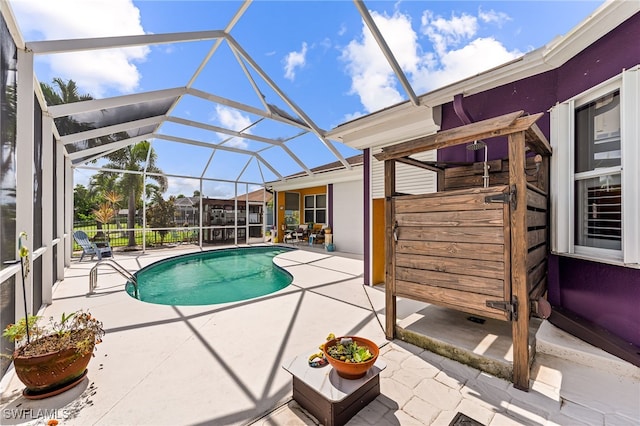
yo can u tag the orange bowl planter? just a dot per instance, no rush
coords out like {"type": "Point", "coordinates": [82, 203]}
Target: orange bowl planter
{"type": "Point", "coordinates": [352, 370]}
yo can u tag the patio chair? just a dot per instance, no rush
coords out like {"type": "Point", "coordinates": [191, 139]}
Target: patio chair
{"type": "Point", "coordinates": [89, 248]}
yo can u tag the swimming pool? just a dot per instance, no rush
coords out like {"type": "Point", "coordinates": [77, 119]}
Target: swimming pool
{"type": "Point", "coordinates": [211, 277]}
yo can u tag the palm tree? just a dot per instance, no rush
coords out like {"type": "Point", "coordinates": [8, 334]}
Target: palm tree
{"type": "Point", "coordinates": [62, 92]}
{"type": "Point", "coordinates": [133, 158]}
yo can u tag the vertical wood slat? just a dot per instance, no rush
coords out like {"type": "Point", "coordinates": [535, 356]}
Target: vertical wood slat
{"type": "Point", "coordinates": [390, 253]}
{"type": "Point", "coordinates": [519, 327]}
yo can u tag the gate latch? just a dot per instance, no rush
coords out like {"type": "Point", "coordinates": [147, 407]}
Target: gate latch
{"type": "Point", "coordinates": [511, 308]}
{"type": "Point", "coordinates": [505, 197]}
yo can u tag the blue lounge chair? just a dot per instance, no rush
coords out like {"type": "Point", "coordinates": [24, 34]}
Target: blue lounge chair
{"type": "Point", "coordinates": [89, 248]}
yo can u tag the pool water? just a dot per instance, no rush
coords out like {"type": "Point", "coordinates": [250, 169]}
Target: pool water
{"type": "Point", "coordinates": [211, 277]}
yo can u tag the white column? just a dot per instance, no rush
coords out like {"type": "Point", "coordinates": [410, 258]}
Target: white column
{"type": "Point", "coordinates": [68, 211]}
{"type": "Point", "coordinates": [235, 211]}
{"type": "Point", "coordinates": [47, 209]}
{"type": "Point", "coordinates": [60, 200]}
{"type": "Point", "coordinates": [24, 172]}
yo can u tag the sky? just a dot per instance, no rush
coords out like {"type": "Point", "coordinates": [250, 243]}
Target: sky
{"type": "Point", "coordinates": [319, 54]}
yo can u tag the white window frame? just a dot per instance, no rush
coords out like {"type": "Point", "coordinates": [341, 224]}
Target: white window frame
{"type": "Point", "coordinates": [563, 177]}
{"type": "Point", "coordinates": [315, 207]}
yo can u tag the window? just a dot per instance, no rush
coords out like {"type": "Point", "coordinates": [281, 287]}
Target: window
{"type": "Point", "coordinates": [597, 174]}
{"type": "Point", "coordinates": [595, 190]}
{"type": "Point", "coordinates": [315, 208]}
{"type": "Point", "coordinates": [291, 210]}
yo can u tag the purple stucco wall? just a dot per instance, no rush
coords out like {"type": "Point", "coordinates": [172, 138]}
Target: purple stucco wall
{"type": "Point", "coordinates": [605, 294]}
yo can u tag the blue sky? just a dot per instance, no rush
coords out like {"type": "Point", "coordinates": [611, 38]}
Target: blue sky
{"type": "Point", "coordinates": [318, 52]}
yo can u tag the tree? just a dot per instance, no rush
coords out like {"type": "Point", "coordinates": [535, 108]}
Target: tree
{"type": "Point", "coordinates": [84, 202]}
{"type": "Point", "coordinates": [104, 214]}
{"type": "Point", "coordinates": [133, 159]}
{"type": "Point", "coordinates": [161, 215]}
{"type": "Point", "coordinates": [65, 92]}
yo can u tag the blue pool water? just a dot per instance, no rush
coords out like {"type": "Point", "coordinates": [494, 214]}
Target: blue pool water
{"type": "Point", "coordinates": [211, 277]}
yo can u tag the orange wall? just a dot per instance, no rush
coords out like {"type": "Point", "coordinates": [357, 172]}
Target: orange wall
{"type": "Point", "coordinates": [378, 253]}
{"type": "Point", "coordinates": [315, 190]}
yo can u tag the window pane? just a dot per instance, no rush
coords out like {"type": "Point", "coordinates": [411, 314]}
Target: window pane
{"type": "Point", "coordinates": [598, 134]}
{"type": "Point", "coordinates": [599, 212]}
{"type": "Point", "coordinates": [321, 201]}
{"type": "Point", "coordinates": [321, 216]}
{"type": "Point", "coordinates": [308, 216]}
{"type": "Point", "coordinates": [291, 201]}
{"type": "Point", "coordinates": [309, 201]}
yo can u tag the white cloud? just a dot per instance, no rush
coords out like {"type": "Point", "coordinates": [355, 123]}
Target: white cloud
{"type": "Point", "coordinates": [492, 16]}
{"type": "Point", "coordinates": [179, 185]}
{"type": "Point", "coordinates": [477, 56]}
{"type": "Point", "coordinates": [234, 120]}
{"type": "Point", "coordinates": [446, 32]}
{"type": "Point", "coordinates": [371, 76]}
{"type": "Point", "coordinates": [96, 71]}
{"type": "Point", "coordinates": [294, 60]}
{"type": "Point", "coordinates": [454, 52]}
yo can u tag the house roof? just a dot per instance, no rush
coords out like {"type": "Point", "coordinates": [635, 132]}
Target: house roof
{"type": "Point", "coordinates": [257, 196]}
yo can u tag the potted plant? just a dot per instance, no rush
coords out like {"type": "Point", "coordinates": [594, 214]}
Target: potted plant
{"type": "Point", "coordinates": [350, 356]}
{"type": "Point", "coordinates": [52, 358]}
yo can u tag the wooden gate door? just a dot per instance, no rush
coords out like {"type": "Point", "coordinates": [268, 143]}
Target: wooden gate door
{"type": "Point", "coordinates": [452, 249]}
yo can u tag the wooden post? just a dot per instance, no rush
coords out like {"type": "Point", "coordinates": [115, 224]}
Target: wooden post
{"type": "Point", "coordinates": [390, 252]}
{"type": "Point", "coordinates": [519, 293]}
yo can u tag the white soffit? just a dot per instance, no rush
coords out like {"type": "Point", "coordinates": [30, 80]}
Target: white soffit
{"type": "Point", "coordinates": [392, 125]}
{"type": "Point", "coordinates": [319, 179]}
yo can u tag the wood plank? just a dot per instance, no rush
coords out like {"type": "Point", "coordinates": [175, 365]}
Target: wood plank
{"type": "Point", "coordinates": [420, 164]}
{"type": "Point", "coordinates": [460, 250]}
{"type": "Point", "coordinates": [537, 141]}
{"type": "Point", "coordinates": [459, 300]}
{"type": "Point", "coordinates": [535, 199]}
{"type": "Point", "coordinates": [390, 279]}
{"type": "Point", "coordinates": [536, 275]}
{"type": "Point", "coordinates": [480, 218]}
{"type": "Point", "coordinates": [539, 289]}
{"type": "Point", "coordinates": [495, 166]}
{"type": "Point", "coordinates": [520, 328]}
{"type": "Point", "coordinates": [536, 219]}
{"type": "Point", "coordinates": [536, 256]}
{"type": "Point", "coordinates": [451, 234]}
{"type": "Point", "coordinates": [456, 266]}
{"type": "Point", "coordinates": [469, 283]}
{"type": "Point", "coordinates": [536, 237]}
{"type": "Point", "coordinates": [486, 129]}
{"type": "Point", "coordinates": [479, 130]}
{"type": "Point", "coordinates": [470, 199]}
{"type": "Point", "coordinates": [475, 181]}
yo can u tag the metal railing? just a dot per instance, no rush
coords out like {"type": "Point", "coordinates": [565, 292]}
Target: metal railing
{"type": "Point", "coordinates": [93, 274]}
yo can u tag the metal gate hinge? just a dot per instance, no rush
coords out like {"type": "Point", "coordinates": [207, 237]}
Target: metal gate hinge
{"type": "Point", "coordinates": [511, 308]}
{"type": "Point", "coordinates": [505, 197]}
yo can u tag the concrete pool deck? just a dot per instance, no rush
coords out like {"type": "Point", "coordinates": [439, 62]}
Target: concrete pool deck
{"type": "Point", "coordinates": [222, 364]}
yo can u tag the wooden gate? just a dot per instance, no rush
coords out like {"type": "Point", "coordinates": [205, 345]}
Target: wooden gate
{"type": "Point", "coordinates": [453, 250]}
{"type": "Point", "coordinates": [477, 250]}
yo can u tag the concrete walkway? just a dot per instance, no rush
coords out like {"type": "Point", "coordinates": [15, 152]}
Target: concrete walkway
{"type": "Point", "coordinates": [221, 364]}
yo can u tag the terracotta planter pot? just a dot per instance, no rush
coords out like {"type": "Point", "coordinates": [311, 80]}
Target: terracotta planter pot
{"type": "Point", "coordinates": [48, 372]}
{"type": "Point", "coordinates": [352, 370]}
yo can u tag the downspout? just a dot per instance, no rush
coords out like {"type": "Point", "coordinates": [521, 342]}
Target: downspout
{"type": "Point", "coordinates": [464, 116]}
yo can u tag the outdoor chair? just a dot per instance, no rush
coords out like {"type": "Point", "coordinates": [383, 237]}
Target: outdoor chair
{"type": "Point", "coordinates": [89, 248]}
{"type": "Point", "coordinates": [300, 233]}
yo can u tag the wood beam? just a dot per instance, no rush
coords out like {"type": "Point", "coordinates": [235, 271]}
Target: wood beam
{"type": "Point", "coordinates": [497, 126]}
